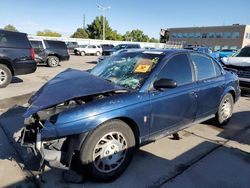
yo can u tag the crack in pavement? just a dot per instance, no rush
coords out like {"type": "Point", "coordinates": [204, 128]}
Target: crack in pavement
{"type": "Point", "coordinates": [188, 166]}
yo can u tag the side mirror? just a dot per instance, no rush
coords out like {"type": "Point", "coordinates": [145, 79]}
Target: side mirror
{"type": "Point", "coordinates": [164, 83]}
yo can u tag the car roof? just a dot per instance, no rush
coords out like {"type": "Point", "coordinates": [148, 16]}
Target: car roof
{"type": "Point", "coordinates": [162, 51]}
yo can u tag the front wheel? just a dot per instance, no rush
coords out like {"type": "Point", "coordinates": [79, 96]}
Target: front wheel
{"type": "Point", "coordinates": [82, 53]}
{"type": "Point", "coordinates": [225, 110]}
{"type": "Point", "coordinates": [107, 151]}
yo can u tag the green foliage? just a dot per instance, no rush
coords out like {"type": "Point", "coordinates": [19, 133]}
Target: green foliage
{"type": "Point", "coordinates": [10, 28]}
{"type": "Point", "coordinates": [136, 35]}
{"type": "Point", "coordinates": [95, 31]}
{"type": "Point", "coordinates": [48, 33]}
{"type": "Point", "coordinates": [80, 33]}
{"type": "Point", "coordinates": [154, 40]}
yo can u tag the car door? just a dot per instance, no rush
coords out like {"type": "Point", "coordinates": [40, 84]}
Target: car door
{"type": "Point", "coordinates": [210, 82]}
{"type": "Point", "coordinates": [177, 106]}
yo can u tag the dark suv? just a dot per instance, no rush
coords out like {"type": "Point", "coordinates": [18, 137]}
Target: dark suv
{"type": "Point", "coordinates": [16, 56]}
{"type": "Point", "coordinates": [120, 47]}
{"type": "Point", "coordinates": [50, 52]}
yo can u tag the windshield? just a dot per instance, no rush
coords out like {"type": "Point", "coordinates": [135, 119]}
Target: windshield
{"type": "Point", "coordinates": [83, 46]}
{"type": "Point", "coordinates": [129, 70]}
{"type": "Point", "coordinates": [120, 46]}
{"type": "Point", "coordinates": [244, 52]}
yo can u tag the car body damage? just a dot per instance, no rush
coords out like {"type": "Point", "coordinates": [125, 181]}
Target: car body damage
{"type": "Point", "coordinates": [98, 118]}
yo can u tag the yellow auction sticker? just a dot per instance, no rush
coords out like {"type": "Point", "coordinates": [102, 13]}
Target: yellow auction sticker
{"type": "Point", "coordinates": [142, 68]}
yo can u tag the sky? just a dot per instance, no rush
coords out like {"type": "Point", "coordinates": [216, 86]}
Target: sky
{"type": "Point", "coordinates": [64, 16]}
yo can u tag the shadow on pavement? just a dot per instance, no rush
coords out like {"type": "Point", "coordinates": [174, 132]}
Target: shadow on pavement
{"type": "Point", "coordinates": [16, 80]}
{"type": "Point", "coordinates": [151, 167]}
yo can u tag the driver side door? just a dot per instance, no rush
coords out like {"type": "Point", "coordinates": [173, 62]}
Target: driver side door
{"type": "Point", "coordinates": [175, 107]}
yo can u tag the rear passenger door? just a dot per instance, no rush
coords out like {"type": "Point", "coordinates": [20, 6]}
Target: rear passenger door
{"type": "Point", "coordinates": [210, 80]}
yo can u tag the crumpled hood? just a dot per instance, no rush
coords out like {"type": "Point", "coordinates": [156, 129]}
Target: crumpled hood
{"type": "Point", "coordinates": [67, 85]}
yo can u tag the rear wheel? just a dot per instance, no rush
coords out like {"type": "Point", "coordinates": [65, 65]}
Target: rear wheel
{"type": "Point", "coordinates": [107, 151]}
{"type": "Point", "coordinates": [225, 111]}
{"type": "Point", "coordinates": [5, 76]}
{"type": "Point", "coordinates": [53, 61]}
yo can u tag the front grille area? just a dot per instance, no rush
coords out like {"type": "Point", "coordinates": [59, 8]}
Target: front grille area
{"type": "Point", "coordinates": [243, 74]}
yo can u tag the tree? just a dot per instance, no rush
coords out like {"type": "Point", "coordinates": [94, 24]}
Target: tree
{"type": "Point", "coordinates": [95, 30]}
{"type": "Point", "coordinates": [48, 33]}
{"type": "Point", "coordinates": [10, 28]}
{"type": "Point", "coordinates": [136, 35]}
{"type": "Point", "coordinates": [80, 33]}
{"type": "Point", "coordinates": [154, 40]}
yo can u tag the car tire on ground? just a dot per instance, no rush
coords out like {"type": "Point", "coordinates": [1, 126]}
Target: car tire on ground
{"type": "Point", "coordinates": [5, 76]}
{"type": "Point", "coordinates": [225, 110]}
{"type": "Point", "coordinates": [82, 53]}
{"type": "Point", "coordinates": [107, 151]}
{"type": "Point", "coordinates": [98, 53]}
{"type": "Point", "coordinates": [53, 61]}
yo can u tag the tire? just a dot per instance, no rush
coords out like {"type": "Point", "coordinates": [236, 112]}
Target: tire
{"type": "Point", "coordinates": [53, 61]}
{"type": "Point", "coordinates": [98, 53]}
{"type": "Point", "coordinates": [225, 110]}
{"type": "Point", "coordinates": [5, 76]}
{"type": "Point", "coordinates": [82, 53]}
{"type": "Point", "coordinates": [109, 159]}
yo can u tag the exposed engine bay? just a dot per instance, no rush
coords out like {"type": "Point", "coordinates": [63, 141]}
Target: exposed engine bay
{"type": "Point", "coordinates": [59, 151]}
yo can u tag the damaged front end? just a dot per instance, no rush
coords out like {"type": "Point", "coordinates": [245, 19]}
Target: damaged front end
{"type": "Point", "coordinates": [57, 151]}
{"type": "Point", "coordinates": [67, 91]}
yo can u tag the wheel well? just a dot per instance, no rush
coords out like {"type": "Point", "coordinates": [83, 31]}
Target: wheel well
{"type": "Point", "coordinates": [8, 64]}
{"type": "Point", "coordinates": [232, 93]}
{"type": "Point", "coordinates": [132, 124]}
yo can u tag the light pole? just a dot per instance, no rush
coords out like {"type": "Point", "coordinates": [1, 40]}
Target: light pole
{"type": "Point", "coordinates": [103, 9]}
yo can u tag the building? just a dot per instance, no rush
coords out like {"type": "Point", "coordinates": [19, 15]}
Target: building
{"type": "Point", "coordinates": [216, 37]}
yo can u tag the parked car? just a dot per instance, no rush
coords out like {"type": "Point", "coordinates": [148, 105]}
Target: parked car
{"type": "Point", "coordinates": [71, 46]}
{"type": "Point", "coordinates": [16, 56]}
{"type": "Point", "coordinates": [50, 52]}
{"type": "Point", "coordinates": [128, 100]}
{"type": "Point", "coordinates": [240, 63]}
{"type": "Point", "coordinates": [120, 47]}
{"type": "Point", "coordinates": [204, 49]}
{"type": "Point", "coordinates": [115, 53]}
{"type": "Point", "coordinates": [226, 52]}
{"type": "Point", "coordinates": [107, 46]}
{"type": "Point", "coordinates": [88, 50]}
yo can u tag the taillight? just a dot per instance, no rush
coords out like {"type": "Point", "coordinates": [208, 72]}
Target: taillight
{"type": "Point", "coordinates": [32, 54]}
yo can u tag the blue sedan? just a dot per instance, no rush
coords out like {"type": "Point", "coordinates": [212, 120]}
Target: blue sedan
{"type": "Point", "coordinates": [97, 119]}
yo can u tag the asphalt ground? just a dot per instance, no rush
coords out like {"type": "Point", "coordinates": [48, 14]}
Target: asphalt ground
{"type": "Point", "coordinates": [204, 156]}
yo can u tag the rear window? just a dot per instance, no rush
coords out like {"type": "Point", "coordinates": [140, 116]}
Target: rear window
{"type": "Point", "coordinates": [14, 40]}
{"type": "Point", "coordinates": [55, 44]}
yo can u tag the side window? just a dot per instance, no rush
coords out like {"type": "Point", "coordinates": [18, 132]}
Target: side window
{"type": "Point", "coordinates": [217, 68]}
{"type": "Point", "coordinates": [179, 69]}
{"type": "Point", "coordinates": [204, 66]}
{"type": "Point", "coordinates": [36, 44]}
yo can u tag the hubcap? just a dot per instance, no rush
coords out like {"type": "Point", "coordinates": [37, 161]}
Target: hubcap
{"type": "Point", "coordinates": [110, 152]}
{"type": "Point", "coordinates": [53, 61]}
{"type": "Point", "coordinates": [226, 109]}
{"type": "Point", "coordinates": [3, 76]}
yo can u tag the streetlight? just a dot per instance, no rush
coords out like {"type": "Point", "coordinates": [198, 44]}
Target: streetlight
{"type": "Point", "coordinates": [102, 8]}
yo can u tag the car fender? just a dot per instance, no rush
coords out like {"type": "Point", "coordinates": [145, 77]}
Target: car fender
{"type": "Point", "coordinates": [89, 116]}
